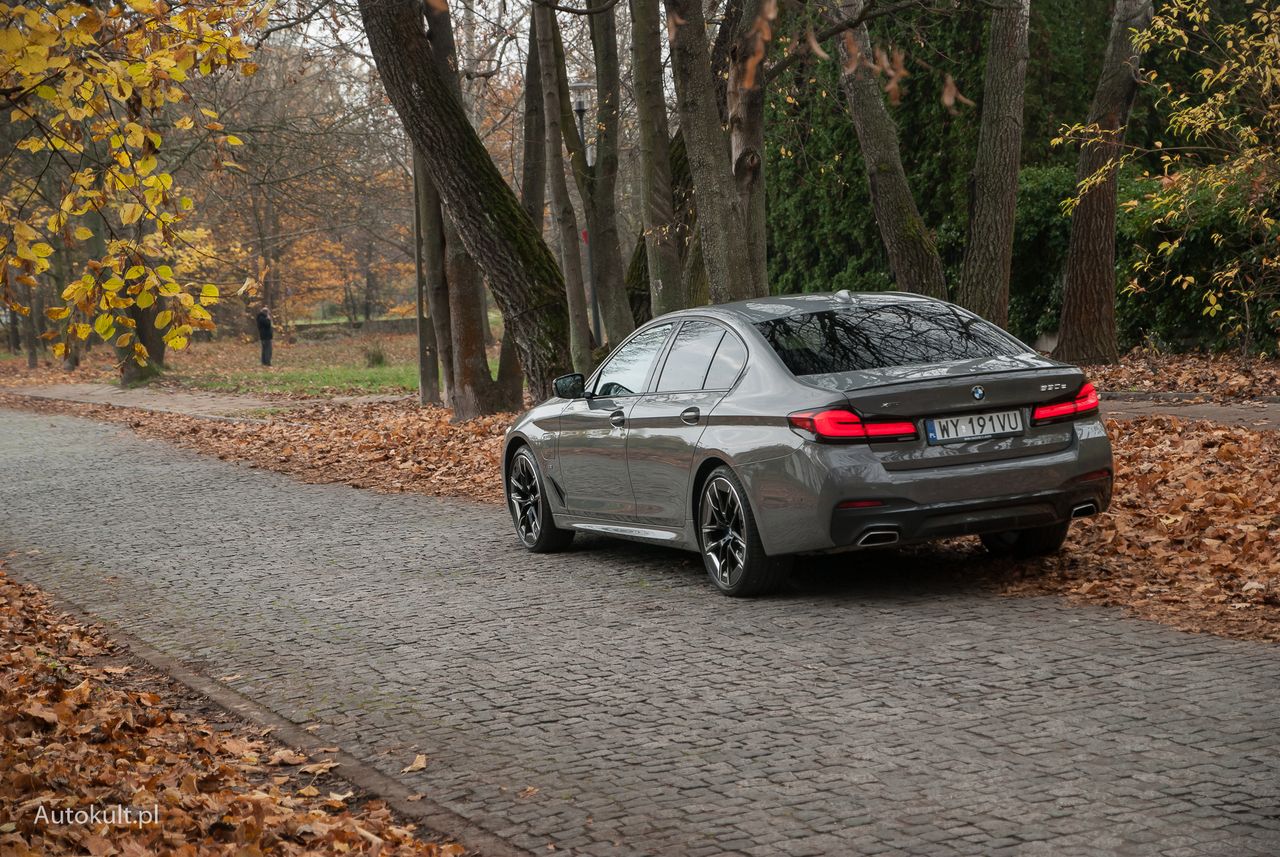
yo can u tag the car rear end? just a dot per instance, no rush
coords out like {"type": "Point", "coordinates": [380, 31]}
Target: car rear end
{"type": "Point", "coordinates": [938, 424]}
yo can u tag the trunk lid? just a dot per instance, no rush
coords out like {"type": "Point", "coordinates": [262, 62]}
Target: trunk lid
{"type": "Point", "coordinates": [959, 389]}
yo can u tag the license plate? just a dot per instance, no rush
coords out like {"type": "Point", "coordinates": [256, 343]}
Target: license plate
{"type": "Point", "coordinates": [973, 427]}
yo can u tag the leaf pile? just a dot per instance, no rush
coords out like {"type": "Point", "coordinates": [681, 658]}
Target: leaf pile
{"type": "Point", "coordinates": [76, 732]}
{"type": "Point", "coordinates": [388, 446]}
{"type": "Point", "coordinates": [1192, 538]}
{"type": "Point", "coordinates": [1216, 377]}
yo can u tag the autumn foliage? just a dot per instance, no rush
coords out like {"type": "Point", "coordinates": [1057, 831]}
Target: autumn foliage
{"type": "Point", "coordinates": [97, 96]}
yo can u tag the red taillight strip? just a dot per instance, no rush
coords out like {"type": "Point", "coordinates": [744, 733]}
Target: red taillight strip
{"type": "Point", "coordinates": [1085, 402]}
{"type": "Point", "coordinates": [837, 424]}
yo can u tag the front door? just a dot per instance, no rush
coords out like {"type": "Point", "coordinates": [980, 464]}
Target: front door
{"type": "Point", "coordinates": [592, 446]}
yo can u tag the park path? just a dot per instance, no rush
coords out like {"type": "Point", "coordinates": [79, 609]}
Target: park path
{"type": "Point", "coordinates": [1256, 415]}
{"type": "Point", "coordinates": [605, 701]}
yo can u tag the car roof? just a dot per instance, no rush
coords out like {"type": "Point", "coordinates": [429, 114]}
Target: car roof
{"type": "Point", "coordinates": [755, 310]}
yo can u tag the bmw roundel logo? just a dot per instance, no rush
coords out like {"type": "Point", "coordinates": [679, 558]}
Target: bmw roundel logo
{"type": "Point", "coordinates": [978, 392]}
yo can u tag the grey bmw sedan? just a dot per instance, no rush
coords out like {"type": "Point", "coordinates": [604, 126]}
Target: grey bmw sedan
{"type": "Point", "coordinates": [755, 431]}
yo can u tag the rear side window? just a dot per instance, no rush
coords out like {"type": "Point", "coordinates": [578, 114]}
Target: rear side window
{"type": "Point", "coordinates": [881, 335]}
{"type": "Point", "coordinates": [690, 356]}
{"type": "Point", "coordinates": [730, 357]}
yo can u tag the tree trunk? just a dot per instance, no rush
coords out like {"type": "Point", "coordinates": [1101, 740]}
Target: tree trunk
{"type": "Point", "coordinates": [1088, 330]}
{"type": "Point", "coordinates": [428, 365]}
{"type": "Point", "coordinates": [533, 158]}
{"type": "Point", "coordinates": [661, 230]}
{"type": "Point", "coordinates": [151, 339]}
{"type": "Point", "coordinates": [722, 219]}
{"type": "Point", "coordinates": [437, 287]}
{"type": "Point", "coordinates": [993, 186]}
{"type": "Point", "coordinates": [744, 102]}
{"type": "Point", "coordinates": [491, 223]}
{"type": "Point", "coordinates": [473, 391]}
{"type": "Point", "coordinates": [562, 215]}
{"type": "Point", "coordinates": [602, 178]}
{"type": "Point", "coordinates": [913, 257]}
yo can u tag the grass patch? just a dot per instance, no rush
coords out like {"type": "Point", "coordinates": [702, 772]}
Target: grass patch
{"type": "Point", "coordinates": [313, 380]}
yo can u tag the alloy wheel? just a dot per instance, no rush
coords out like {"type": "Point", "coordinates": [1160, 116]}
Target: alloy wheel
{"type": "Point", "coordinates": [525, 499]}
{"type": "Point", "coordinates": [722, 525]}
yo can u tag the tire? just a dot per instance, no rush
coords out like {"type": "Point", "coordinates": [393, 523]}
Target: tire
{"type": "Point", "coordinates": [730, 542]}
{"type": "Point", "coordinates": [530, 511]}
{"type": "Point", "coordinates": [1035, 541]}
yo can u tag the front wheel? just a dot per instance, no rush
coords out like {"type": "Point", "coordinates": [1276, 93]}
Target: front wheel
{"type": "Point", "coordinates": [1033, 541]}
{"type": "Point", "coordinates": [730, 543]}
{"type": "Point", "coordinates": [530, 510]}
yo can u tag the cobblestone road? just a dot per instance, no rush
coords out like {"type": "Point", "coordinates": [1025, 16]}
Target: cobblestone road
{"type": "Point", "coordinates": [607, 702]}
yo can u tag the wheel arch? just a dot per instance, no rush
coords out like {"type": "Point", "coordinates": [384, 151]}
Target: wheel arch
{"type": "Point", "coordinates": [514, 444]}
{"type": "Point", "coordinates": [704, 470]}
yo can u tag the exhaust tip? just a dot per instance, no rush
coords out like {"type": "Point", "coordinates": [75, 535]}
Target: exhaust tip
{"type": "Point", "coordinates": [1084, 510]}
{"type": "Point", "coordinates": [873, 538]}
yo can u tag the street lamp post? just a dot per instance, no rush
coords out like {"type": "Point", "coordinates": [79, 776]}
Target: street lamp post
{"type": "Point", "coordinates": [580, 89]}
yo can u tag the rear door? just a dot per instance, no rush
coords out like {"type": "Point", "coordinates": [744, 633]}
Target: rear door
{"type": "Point", "coordinates": [702, 363]}
{"type": "Point", "coordinates": [592, 445]}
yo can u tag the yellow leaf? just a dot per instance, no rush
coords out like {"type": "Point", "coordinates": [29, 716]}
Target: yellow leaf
{"type": "Point", "coordinates": [57, 313]}
{"type": "Point", "coordinates": [124, 339]}
{"type": "Point", "coordinates": [59, 350]}
{"type": "Point", "coordinates": [178, 343]}
{"type": "Point", "coordinates": [104, 325]}
{"type": "Point", "coordinates": [145, 299]}
{"type": "Point", "coordinates": [130, 212]}
{"type": "Point", "coordinates": [184, 123]}
{"type": "Point", "coordinates": [81, 330]}
{"type": "Point", "coordinates": [146, 166]}
{"type": "Point", "coordinates": [83, 233]}
{"type": "Point", "coordinates": [163, 318]}
{"type": "Point", "coordinates": [233, 140]}
{"type": "Point", "coordinates": [42, 250]}
{"type": "Point", "coordinates": [209, 294]}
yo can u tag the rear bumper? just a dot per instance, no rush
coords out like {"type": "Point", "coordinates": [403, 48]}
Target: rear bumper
{"type": "Point", "coordinates": [795, 497]}
{"type": "Point", "coordinates": [901, 521]}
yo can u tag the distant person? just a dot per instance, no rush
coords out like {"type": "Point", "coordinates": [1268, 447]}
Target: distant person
{"type": "Point", "coordinates": [265, 333]}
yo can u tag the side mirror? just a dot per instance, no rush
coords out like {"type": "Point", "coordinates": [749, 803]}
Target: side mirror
{"type": "Point", "coordinates": [571, 386]}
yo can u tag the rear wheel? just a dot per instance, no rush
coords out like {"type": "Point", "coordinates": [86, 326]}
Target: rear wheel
{"type": "Point", "coordinates": [1034, 541]}
{"type": "Point", "coordinates": [730, 543]}
{"type": "Point", "coordinates": [530, 510]}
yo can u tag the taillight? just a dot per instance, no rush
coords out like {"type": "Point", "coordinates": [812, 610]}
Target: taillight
{"type": "Point", "coordinates": [1085, 402]}
{"type": "Point", "coordinates": [846, 425]}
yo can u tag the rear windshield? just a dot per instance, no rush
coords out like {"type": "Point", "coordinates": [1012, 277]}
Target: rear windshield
{"type": "Point", "coordinates": [881, 335]}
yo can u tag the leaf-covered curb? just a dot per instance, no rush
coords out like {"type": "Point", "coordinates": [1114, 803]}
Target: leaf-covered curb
{"type": "Point", "coordinates": [82, 728]}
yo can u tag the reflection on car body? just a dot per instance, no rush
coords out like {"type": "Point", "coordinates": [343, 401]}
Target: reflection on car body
{"type": "Point", "coordinates": [754, 431]}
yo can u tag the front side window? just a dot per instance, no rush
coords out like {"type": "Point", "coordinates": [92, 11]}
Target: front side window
{"type": "Point", "coordinates": [628, 367]}
{"type": "Point", "coordinates": [881, 335]}
{"type": "Point", "coordinates": [690, 356]}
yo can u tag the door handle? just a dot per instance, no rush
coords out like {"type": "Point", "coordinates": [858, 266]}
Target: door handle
{"type": "Point", "coordinates": [689, 416]}
{"type": "Point", "coordinates": [617, 419]}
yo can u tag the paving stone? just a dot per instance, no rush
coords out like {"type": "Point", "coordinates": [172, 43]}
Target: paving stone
{"type": "Point", "coordinates": [855, 714]}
